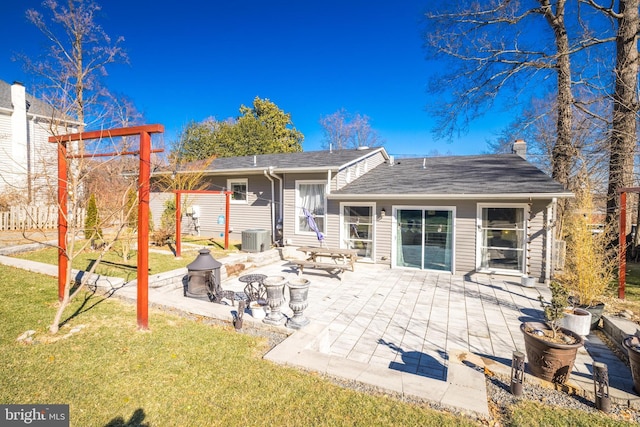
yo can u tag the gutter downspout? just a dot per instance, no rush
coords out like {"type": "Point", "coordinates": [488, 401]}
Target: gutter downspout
{"type": "Point", "coordinates": [281, 201]}
{"type": "Point", "coordinates": [550, 233]}
{"type": "Point", "coordinates": [328, 182]}
{"type": "Point", "coordinates": [273, 224]}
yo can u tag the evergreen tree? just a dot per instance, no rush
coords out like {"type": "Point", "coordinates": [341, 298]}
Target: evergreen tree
{"type": "Point", "coordinates": [92, 228]}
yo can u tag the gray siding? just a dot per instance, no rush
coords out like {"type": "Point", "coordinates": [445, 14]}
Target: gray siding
{"type": "Point", "coordinates": [256, 213]}
{"type": "Point", "coordinates": [465, 231]}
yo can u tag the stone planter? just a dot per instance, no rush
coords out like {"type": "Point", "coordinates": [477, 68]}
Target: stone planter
{"type": "Point", "coordinates": [527, 281]}
{"type": "Point", "coordinates": [596, 314]}
{"type": "Point", "coordinates": [550, 361]}
{"type": "Point", "coordinates": [257, 311]}
{"type": "Point", "coordinates": [275, 295]}
{"type": "Point", "coordinates": [298, 294]}
{"type": "Point", "coordinates": [577, 320]}
{"type": "Point", "coordinates": [632, 344]}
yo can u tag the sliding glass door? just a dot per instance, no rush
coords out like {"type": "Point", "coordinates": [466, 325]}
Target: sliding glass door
{"type": "Point", "coordinates": [424, 238]}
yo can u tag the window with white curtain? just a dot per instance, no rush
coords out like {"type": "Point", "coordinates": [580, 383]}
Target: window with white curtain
{"type": "Point", "coordinates": [310, 195]}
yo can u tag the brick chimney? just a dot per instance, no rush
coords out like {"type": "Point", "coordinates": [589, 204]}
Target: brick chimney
{"type": "Point", "coordinates": [520, 148]}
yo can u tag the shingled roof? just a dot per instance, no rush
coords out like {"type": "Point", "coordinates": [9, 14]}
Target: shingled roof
{"type": "Point", "coordinates": [36, 106]}
{"type": "Point", "coordinates": [290, 162]}
{"type": "Point", "coordinates": [496, 175]}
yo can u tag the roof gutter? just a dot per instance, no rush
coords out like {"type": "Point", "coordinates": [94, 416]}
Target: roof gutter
{"type": "Point", "coordinates": [273, 223]}
{"type": "Point", "coordinates": [483, 196]}
{"type": "Point", "coordinates": [280, 193]}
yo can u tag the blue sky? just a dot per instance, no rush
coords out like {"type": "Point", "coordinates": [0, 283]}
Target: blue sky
{"type": "Point", "coordinates": [191, 60]}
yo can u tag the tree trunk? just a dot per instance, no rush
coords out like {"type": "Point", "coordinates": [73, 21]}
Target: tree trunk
{"type": "Point", "coordinates": [562, 155]}
{"type": "Point", "coordinates": [625, 106]}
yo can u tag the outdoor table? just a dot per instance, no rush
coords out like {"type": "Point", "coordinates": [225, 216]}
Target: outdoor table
{"type": "Point", "coordinates": [328, 258]}
{"type": "Point", "coordinates": [254, 288]}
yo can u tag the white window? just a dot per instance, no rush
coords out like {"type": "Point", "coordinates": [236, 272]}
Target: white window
{"type": "Point", "coordinates": [240, 190]}
{"type": "Point", "coordinates": [310, 197]}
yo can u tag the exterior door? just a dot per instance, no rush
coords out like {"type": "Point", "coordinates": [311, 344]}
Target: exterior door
{"type": "Point", "coordinates": [424, 238]}
{"type": "Point", "coordinates": [501, 238]}
{"type": "Point", "coordinates": [358, 228]}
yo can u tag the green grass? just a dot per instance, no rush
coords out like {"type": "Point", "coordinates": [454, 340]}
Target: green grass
{"type": "Point", "coordinates": [184, 372]}
{"type": "Point", "coordinates": [632, 286]}
{"type": "Point", "coordinates": [535, 414]}
{"type": "Point", "coordinates": [113, 264]}
{"type": "Point", "coordinates": [181, 373]}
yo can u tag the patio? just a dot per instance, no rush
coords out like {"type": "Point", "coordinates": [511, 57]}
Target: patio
{"type": "Point", "coordinates": [417, 333]}
{"type": "Point", "coordinates": [393, 327]}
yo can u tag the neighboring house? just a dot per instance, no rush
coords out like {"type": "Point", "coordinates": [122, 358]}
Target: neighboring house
{"type": "Point", "coordinates": [462, 214]}
{"type": "Point", "coordinates": [28, 167]}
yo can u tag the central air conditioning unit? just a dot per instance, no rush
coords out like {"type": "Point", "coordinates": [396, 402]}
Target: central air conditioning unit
{"type": "Point", "coordinates": [256, 240]}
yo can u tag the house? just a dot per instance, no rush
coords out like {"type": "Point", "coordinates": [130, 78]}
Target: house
{"type": "Point", "coordinates": [27, 160]}
{"type": "Point", "coordinates": [462, 214]}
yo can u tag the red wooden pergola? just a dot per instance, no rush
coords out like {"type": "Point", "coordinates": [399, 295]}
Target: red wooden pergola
{"type": "Point", "coordinates": [143, 203]}
{"type": "Point", "coordinates": [179, 215]}
{"type": "Point", "coordinates": [622, 239]}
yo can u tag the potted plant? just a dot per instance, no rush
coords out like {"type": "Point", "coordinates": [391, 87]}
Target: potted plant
{"type": "Point", "coordinates": [632, 344]}
{"type": "Point", "coordinates": [590, 265]}
{"type": "Point", "coordinates": [551, 349]}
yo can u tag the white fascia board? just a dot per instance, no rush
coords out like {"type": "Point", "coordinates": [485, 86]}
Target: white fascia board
{"type": "Point", "coordinates": [258, 170]}
{"type": "Point", "coordinates": [359, 159]}
{"type": "Point", "coordinates": [481, 196]}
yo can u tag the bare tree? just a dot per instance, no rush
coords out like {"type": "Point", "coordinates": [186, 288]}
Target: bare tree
{"type": "Point", "coordinates": [345, 130]}
{"type": "Point", "coordinates": [491, 52]}
{"type": "Point", "coordinates": [623, 136]}
{"type": "Point", "coordinates": [71, 71]}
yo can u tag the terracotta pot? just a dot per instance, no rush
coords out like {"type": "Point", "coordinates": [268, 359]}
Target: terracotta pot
{"type": "Point", "coordinates": [548, 360]}
{"type": "Point", "coordinates": [632, 344]}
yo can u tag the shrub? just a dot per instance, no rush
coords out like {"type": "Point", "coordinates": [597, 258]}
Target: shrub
{"type": "Point", "coordinates": [590, 264]}
{"type": "Point", "coordinates": [92, 228]}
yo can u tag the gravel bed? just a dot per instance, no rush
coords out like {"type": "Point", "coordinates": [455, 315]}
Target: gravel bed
{"type": "Point", "coordinates": [499, 397]}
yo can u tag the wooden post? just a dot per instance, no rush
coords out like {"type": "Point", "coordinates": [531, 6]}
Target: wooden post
{"type": "Point", "coordinates": [143, 230]}
{"type": "Point", "coordinates": [622, 243]}
{"type": "Point", "coordinates": [63, 258]}
{"type": "Point", "coordinates": [178, 224]}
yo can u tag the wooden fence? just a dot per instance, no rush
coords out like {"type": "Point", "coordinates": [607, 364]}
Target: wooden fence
{"type": "Point", "coordinates": [32, 218]}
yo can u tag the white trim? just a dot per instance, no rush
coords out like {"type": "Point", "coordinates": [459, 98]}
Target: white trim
{"type": "Point", "coordinates": [374, 220]}
{"type": "Point", "coordinates": [456, 196]}
{"type": "Point", "coordinates": [244, 181]}
{"type": "Point", "coordinates": [525, 248]}
{"type": "Point", "coordinates": [394, 233]}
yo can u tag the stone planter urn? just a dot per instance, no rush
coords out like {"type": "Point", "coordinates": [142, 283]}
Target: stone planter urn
{"type": "Point", "coordinates": [275, 295]}
{"type": "Point", "coordinates": [632, 344]}
{"type": "Point", "coordinates": [298, 294]}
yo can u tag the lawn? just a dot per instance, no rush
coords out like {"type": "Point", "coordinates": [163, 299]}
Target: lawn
{"type": "Point", "coordinates": [114, 265]}
{"type": "Point", "coordinates": [185, 372]}
{"type": "Point", "coordinates": [181, 373]}
{"type": "Point", "coordinates": [632, 293]}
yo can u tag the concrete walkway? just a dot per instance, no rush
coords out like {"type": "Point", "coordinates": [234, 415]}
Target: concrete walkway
{"type": "Point", "coordinates": [420, 334]}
